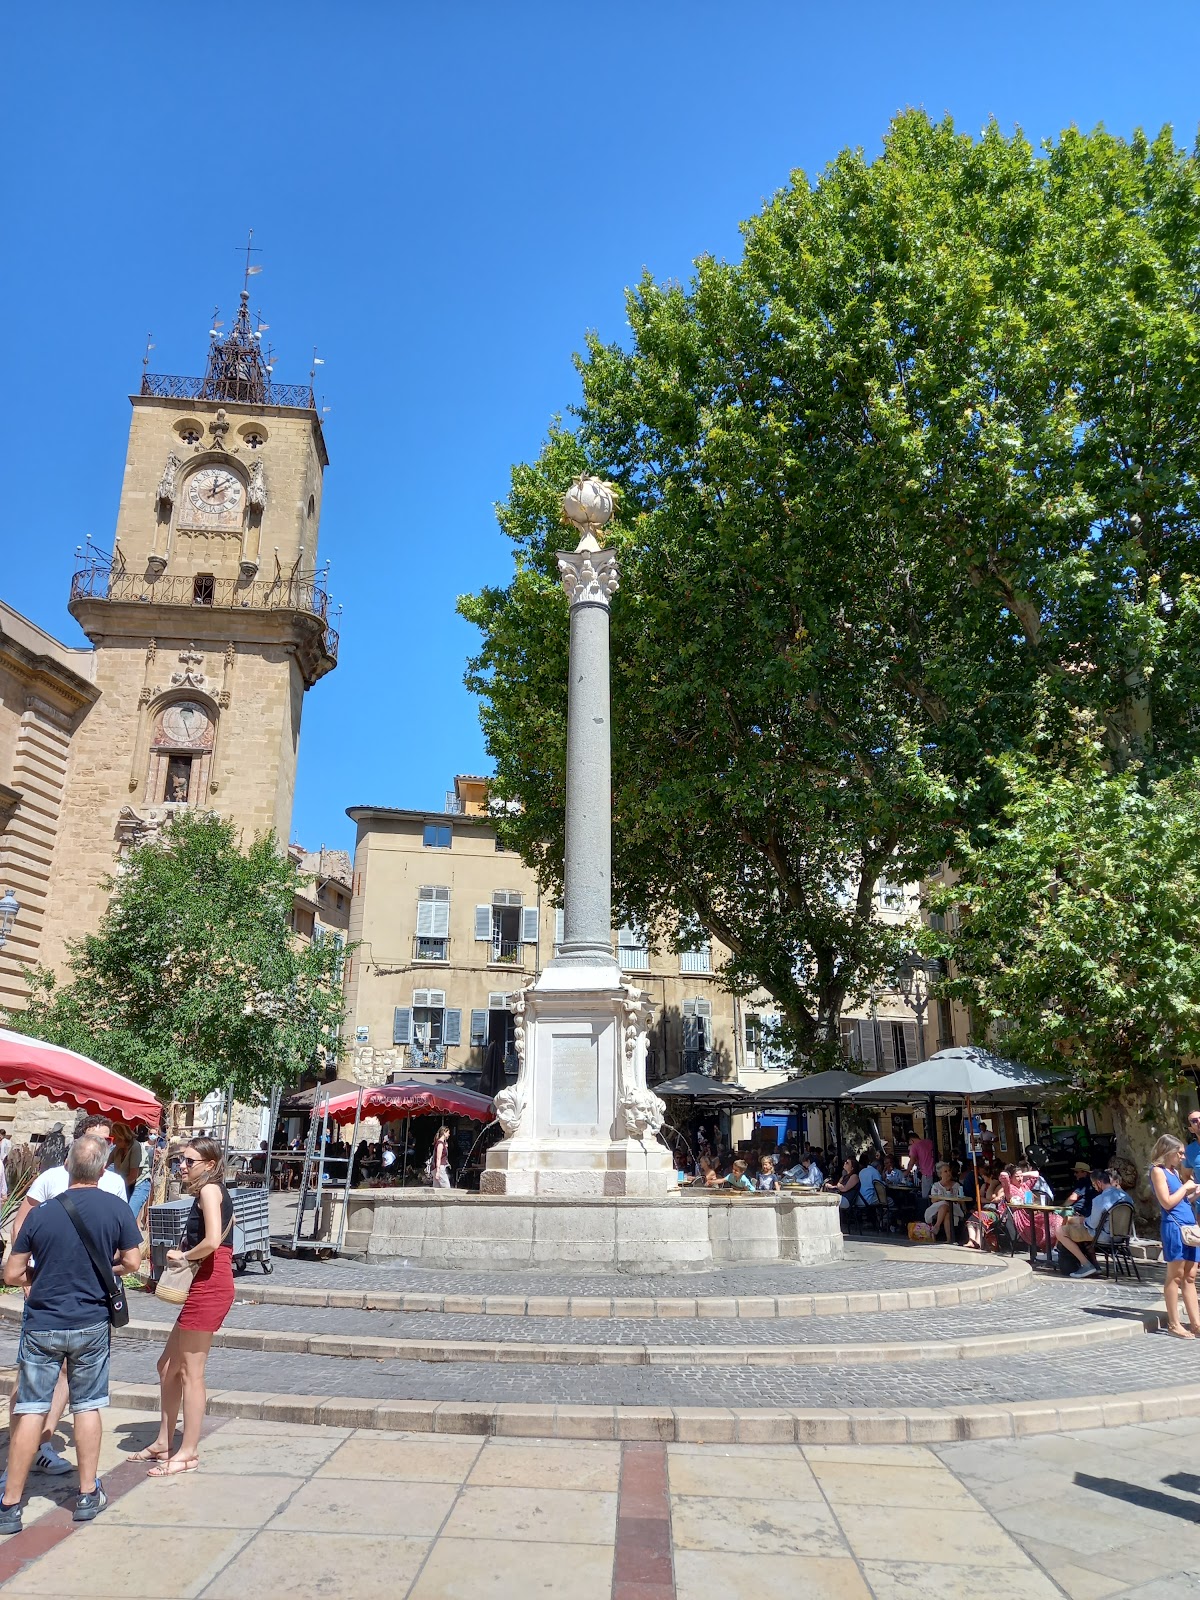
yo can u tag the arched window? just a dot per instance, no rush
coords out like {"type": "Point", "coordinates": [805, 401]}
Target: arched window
{"type": "Point", "coordinates": [180, 754]}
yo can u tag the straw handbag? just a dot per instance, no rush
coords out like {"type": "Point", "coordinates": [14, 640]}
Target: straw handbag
{"type": "Point", "coordinates": [175, 1282]}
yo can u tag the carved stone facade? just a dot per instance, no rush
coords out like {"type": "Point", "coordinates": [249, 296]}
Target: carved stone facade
{"type": "Point", "coordinates": [192, 689]}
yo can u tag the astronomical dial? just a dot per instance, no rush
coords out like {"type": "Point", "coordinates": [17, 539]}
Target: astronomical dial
{"type": "Point", "coordinates": [215, 492]}
{"type": "Point", "coordinates": [185, 724]}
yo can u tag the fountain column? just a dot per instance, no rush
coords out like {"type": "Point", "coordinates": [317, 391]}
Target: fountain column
{"type": "Point", "coordinates": [580, 1120]}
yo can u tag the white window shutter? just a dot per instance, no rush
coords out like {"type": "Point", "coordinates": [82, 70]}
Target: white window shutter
{"type": "Point", "coordinates": [889, 1062]}
{"type": "Point", "coordinates": [559, 925]}
{"type": "Point", "coordinates": [691, 1031]}
{"type": "Point", "coordinates": [479, 1028]}
{"type": "Point", "coordinates": [866, 1044]}
{"type": "Point", "coordinates": [498, 1000]}
{"type": "Point", "coordinates": [402, 1025]}
{"type": "Point", "coordinates": [529, 925]}
{"type": "Point", "coordinates": [912, 1043]}
{"type": "Point", "coordinates": [420, 997]}
{"type": "Point", "coordinates": [452, 1027]}
{"type": "Point", "coordinates": [425, 910]}
{"type": "Point", "coordinates": [441, 919]}
{"type": "Point", "coordinates": [483, 923]}
{"type": "Point", "coordinates": [437, 999]}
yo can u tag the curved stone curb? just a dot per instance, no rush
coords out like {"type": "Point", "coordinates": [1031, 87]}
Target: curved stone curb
{"type": "Point", "coordinates": [694, 1424]}
{"type": "Point", "coordinates": [351, 1347]}
{"type": "Point", "coordinates": [991, 1284]}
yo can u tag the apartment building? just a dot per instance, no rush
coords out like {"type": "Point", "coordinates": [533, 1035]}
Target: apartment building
{"type": "Point", "coordinates": [445, 926]}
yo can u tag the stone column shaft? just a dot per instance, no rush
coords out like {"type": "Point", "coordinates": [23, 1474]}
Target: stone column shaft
{"type": "Point", "coordinates": [587, 866]}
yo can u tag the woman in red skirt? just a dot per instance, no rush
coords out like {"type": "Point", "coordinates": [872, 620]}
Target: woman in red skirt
{"type": "Point", "coordinates": [207, 1241]}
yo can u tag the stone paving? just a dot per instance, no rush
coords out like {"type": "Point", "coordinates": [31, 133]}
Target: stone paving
{"type": "Point", "coordinates": [291, 1513]}
{"type": "Point", "coordinates": [1044, 1305]}
{"type": "Point", "coordinates": [1153, 1361]}
{"type": "Point", "coordinates": [874, 1265]}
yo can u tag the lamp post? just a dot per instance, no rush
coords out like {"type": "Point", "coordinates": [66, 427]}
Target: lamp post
{"type": "Point", "coordinates": [9, 907]}
{"type": "Point", "coordinates": [915, 992]}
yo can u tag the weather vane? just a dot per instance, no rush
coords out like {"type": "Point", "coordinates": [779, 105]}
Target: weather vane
{"type": "Point", "coordinates": [251, 249]}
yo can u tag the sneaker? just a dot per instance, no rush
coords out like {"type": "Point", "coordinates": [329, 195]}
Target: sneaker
{"type": "Point", "coordinates": [10, 1518]}
{"type": "Point", "coordinates": [1086, 1271]}
{"type": "Point", "coordinates": [91, 1505]}
{"type": "Point", "coordinates": [49, 1460]}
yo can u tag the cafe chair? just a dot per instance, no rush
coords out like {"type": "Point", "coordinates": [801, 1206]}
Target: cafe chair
{"type": "Point", "coordinates": [1115, 1247]}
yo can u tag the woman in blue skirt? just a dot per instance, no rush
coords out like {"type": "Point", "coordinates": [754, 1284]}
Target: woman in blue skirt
{"type": "Point", "coordinates": [1174, 1195]}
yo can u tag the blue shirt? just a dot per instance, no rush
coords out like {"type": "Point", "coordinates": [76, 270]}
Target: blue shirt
{"type": "Point", "coordinates": [1101, 1206]}
{"type": "Point", "coordinates": [1191, 1157]}
{"type": "Point", "coordinates": [66, 1291]}
{"type": "Point", "coordinates": [868, 1177]}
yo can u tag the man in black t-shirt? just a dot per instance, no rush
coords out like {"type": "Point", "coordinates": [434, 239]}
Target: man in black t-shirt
{"type": "Point", "coordinates": [66, 1319]}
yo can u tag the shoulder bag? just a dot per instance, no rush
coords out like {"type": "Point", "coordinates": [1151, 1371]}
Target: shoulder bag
{"type": "Point", "coordinates": [113, 1288]}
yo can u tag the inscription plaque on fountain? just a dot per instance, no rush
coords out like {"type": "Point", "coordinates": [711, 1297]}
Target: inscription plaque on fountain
{"type": "Point", "coordinates": [574, 1084]}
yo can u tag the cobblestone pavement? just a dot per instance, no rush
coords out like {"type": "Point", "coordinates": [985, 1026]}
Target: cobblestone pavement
{"type": "Point", "coordinates": [1154, 1361]}
{"type": "Point", "coordinates": [872, 1266]}
{"type": "Point", "coordinates": [1046, 1304]}
{"type": "Point", "coordinates": [285, 1512]}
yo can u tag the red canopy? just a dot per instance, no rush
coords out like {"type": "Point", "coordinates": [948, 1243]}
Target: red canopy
{"type": "Point", "coordinates": [393, 1101]}
{"type": "Point", "coordinates": [53, 1073]}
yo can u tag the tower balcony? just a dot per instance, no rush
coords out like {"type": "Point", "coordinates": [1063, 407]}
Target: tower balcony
{"type": "Point", "coordinates": [303, 600]}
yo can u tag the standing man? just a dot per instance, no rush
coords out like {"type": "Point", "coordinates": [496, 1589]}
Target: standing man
{"type": "Point", "coordinates": [1191, 1156]}
{"type": "Point", "coordinates": [66, 1319]}
{"type": "Point", "coordinates": [46, 1186]}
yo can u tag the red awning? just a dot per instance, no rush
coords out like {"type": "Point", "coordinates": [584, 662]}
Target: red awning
{"type": "Point", "coordinates": [53, 1073]}
{"type": "Point", "coordinates": [391, 1102]}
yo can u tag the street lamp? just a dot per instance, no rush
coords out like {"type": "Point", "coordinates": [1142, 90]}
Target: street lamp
{"type": "Point", "coordinates": [916, 993]}
{"type": "Point", "coordinates": [9, 906]}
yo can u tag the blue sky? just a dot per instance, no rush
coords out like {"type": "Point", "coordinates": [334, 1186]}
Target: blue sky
{"type": "Point", "coordinates": [447, 197]}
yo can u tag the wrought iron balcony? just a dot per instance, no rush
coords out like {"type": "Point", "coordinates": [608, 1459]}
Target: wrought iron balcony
{"type": "Point", "coordinates": [248, 390]}
{"type": "Point", "coordinates": [507, 953]}
{"type": "Point", "coordinates": [430, 1058]}
{"type": "Point", "coordinates": [96, 581]}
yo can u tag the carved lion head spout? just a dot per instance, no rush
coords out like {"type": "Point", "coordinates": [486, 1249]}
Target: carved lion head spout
{"type": "Point", "coordinates": [643, 1112]}
{"type": "Point", "coordinates": [510, 1108]}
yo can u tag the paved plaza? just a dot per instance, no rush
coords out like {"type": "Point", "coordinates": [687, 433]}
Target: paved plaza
{"type": "Point", "coordinates": [295, 1511]}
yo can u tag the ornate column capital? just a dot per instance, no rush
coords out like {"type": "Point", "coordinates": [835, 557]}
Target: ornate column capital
{"type": "Point", "coordinates": [589, 577]}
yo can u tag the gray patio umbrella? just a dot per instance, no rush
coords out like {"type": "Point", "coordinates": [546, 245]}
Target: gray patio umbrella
{"type": "Point", "coordinates": [963, 1072]}
{"type": "Point", "coordinates": [967, 1073]}
{"type": "Point", "coordinates": [698, 1086]}
{"type": "Point", "coordinates": [822, 1088]}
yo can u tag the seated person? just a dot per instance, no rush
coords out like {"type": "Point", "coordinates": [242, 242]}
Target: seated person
{"type": "Point", "coordinates": [737, 1178]}
{"type": "Point", "coordinates": [1084, 1193]}
{"type": "Point", "coordinates": [1077, 1231]}
{"type": "Point", "coordinates": [807, 1173]}
{"type": "Point", "coordinates": [896, 1174]}
{"type": "Point", "coordinates": [258, 1161]}
{"type": "Point", "coordinates": [710, 1176]}
{"type": "Point", "coordinates": [847, 1184]}
{"type": "Point", "coordinates": [868, 1176]}
{"type": "Point", "coordinates": [942, 1213]}
{"type": "Point", "coordinates": [767, 1179]}
{"type": "Point", "coordinates": [1037, 1185]}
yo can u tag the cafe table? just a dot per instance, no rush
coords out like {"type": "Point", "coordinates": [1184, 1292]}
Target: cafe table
{"type": "Point", "coordinates": [1036, 1209]}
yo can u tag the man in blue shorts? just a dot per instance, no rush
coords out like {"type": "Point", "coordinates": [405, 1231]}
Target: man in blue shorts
{"type": "Point", "coordinates": [66, 1319]}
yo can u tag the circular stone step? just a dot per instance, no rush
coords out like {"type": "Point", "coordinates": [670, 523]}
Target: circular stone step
{"type": "Point", "coordinates": [875, 1278]}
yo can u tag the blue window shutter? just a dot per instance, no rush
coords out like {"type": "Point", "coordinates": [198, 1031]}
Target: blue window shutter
{"type": "Point", "coordinates": [529, 925]}
{"type": "Point", "coordinates": [402, 1025]}
{"type": "Point", "coordinates": [479, 1027]}
{"type": "Point", "coordinates": [483, 923]}
{"type": "Point", "coordinates": [452, 1027]}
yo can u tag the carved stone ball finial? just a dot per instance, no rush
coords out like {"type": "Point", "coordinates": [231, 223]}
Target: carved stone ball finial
{"type": "Point", "coordinates": [588, 505]}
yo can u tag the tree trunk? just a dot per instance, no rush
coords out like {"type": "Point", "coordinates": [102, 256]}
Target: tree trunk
{"type": "Point", "coordinates": [1135, 1140]}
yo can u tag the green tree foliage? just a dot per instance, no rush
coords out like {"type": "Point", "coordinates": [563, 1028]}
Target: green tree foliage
{"type": "Point", "coordinates": [924, 457]}
{"type": "Point", "coordinates": [1080, 925]}
{"type": "Point", "coordinates": [194, 981]}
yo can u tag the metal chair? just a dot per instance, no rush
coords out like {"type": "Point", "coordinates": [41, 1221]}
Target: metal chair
{"type": "Point", "coordinates": [1118, 1230]}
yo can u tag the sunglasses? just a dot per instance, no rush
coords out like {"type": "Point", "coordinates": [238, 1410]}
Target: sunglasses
{"type": "Point", "coordinates": [190, 1161]}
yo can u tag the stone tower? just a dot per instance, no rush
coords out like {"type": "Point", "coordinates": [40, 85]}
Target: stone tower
{"type": "Point", "coordinates": [209, 622]}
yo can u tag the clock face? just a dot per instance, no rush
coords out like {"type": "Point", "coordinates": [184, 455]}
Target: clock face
{"type": "Point", "coordinates": [215, 492]}
{"type": "Point", "coordinates": [186, 724]}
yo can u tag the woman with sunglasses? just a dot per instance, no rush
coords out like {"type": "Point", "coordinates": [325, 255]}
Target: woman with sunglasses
{"type": "Point", "coordinates": [207, 1245]}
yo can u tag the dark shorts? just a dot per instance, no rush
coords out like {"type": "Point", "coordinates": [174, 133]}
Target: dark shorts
{"type": "Point", "coordinates": [40, 1356]}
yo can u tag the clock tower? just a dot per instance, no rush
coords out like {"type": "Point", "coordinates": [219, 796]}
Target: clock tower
{"type": "Point", "coordinates": [209, 622]}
